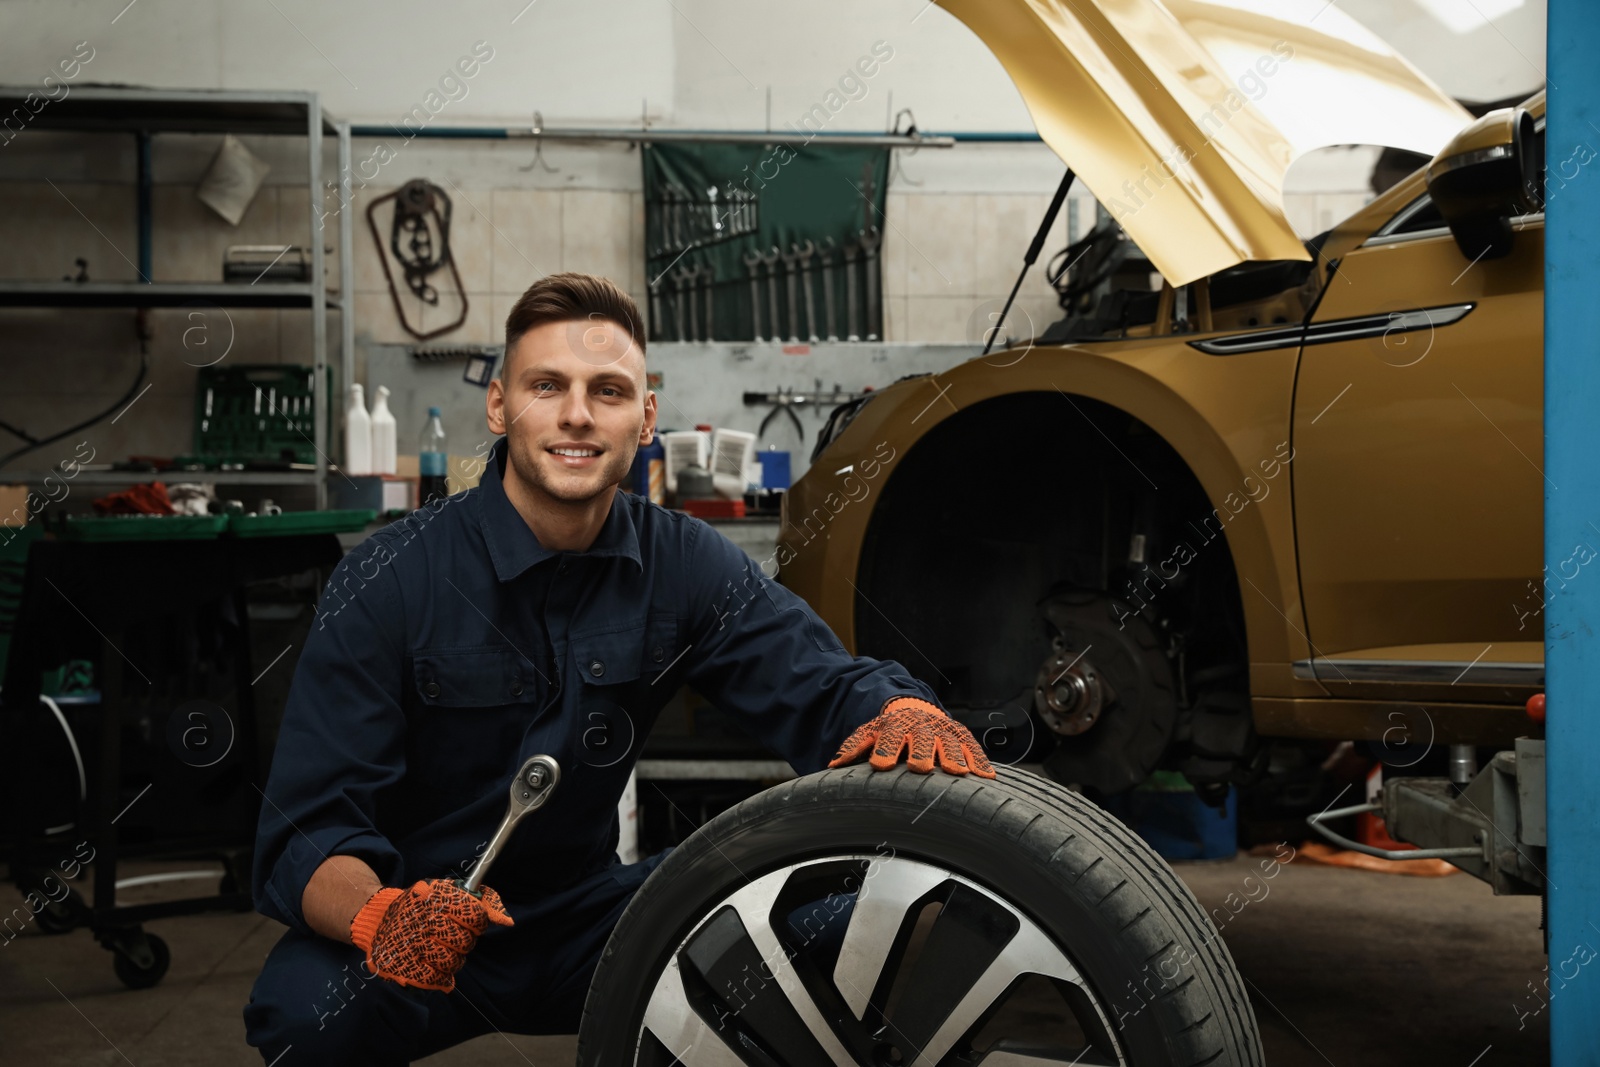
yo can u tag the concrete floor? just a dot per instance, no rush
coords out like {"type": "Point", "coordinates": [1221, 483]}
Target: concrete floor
{"type": "Point", "coordinates": [1344, 967]}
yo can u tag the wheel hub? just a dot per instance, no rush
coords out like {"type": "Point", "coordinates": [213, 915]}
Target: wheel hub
{"type": "Point", "coordinates": [1069, 694]}
{"type": "Point", "coordinates": [1106, 691]}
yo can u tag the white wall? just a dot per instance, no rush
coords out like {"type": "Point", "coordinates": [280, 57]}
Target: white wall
{"type": "Point", "coordinates": [959, 219]}
{"type": "Point", "coordinates": [698, 63]}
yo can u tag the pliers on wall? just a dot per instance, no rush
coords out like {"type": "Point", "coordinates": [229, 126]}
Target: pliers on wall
{"type": "Point", "coordinates": [785, 403]}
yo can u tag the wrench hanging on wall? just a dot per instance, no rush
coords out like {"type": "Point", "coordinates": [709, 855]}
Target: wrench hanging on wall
{"type": "Point", "coordinates": [709, 272]}
{"type": "Point", "coordinates": [770, 261]}
{"type": "Point", "coordinates": [791, 263]}
{"type": "Point", "coordinates": [752, 263]}
{"type": "Point", "coordinates": [852, 252]}
{"type": "Point", "coordinates": [806, 252]}
{"type": "Point", "coordinates": [825, 261]}
{"type": "Point", "coordinates": [870, 240]}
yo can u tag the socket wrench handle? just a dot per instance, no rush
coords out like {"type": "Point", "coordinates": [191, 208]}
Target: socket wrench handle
{"type": "Point", "coordinates": [535, 781]}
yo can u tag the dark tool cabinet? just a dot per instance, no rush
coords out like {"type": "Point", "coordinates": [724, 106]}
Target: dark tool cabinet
{"type": "Point", "coordinates": [167, 627]}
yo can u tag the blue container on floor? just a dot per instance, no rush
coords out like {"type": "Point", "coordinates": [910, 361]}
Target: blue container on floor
{"type": "Point", "coordinates": [1174, 821]}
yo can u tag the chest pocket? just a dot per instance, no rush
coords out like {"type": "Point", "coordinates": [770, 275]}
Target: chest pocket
{"type": "Point", "coordinates": [470, 708]}
{"type": "Point", "coordinates": [629, 655]}
{"type": "Point", "coordinates": [622, 688]}
{"type": "Point", "coordinates": [475, 678]}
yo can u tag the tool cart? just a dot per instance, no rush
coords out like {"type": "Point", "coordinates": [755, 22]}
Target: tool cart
{"type": "Point", "coordinates": [168, 749]}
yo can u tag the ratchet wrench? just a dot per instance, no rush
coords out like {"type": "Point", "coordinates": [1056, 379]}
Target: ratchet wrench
{"type": "Point", "coordinates": [535, 781]}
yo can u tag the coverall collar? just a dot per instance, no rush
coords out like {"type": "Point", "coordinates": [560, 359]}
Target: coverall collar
{"type": "Point", "coordinates": [513, 546]}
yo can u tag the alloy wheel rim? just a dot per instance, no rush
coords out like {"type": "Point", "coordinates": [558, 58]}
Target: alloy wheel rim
{"type": "Point", "coordinates": [928, 966]}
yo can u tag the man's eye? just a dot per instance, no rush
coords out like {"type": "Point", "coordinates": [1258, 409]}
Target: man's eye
{"type": "Point", "coordinates": [544, 387]}
{"type": "Point", "coordinates": [609, 391]}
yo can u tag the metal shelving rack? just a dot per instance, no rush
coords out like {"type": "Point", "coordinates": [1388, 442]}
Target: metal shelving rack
{"type": "Point", "coordinates": [144, 112]}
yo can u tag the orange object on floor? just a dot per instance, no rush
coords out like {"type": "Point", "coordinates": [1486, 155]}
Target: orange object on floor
{"type": "Point", "coordinates": [1317, 852]}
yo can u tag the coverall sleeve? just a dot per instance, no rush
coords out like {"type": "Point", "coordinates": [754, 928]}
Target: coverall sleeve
{"type": "Point", "coordinates": [342, 738]}
{"type": "Point", "coordinates": [761, 653]}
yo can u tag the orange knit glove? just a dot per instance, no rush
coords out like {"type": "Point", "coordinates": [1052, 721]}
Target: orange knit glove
{"type": "Point", "coordinates": [929, 731]}
{"type": "Point", "coordinates": [421, 936]}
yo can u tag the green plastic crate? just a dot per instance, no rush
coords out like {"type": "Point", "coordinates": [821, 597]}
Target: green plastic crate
{"type": "Point", "coordinates": [256, 412]}
{"type": "Point", "coordinates": [300, 522]}
{"type": "Point", "coordinates": [142, 527]}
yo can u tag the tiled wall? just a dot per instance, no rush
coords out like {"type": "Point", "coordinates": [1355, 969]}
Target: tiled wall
{"type": "Point", "coordinates": [503, 240]}
{"type": "Point", "coordinates": [949, 257]}
{"type": "Point", "coordinates": [948, 260]}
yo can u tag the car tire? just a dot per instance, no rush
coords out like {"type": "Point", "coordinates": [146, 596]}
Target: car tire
{"type": "Point", "coordinates": [1028, 873]}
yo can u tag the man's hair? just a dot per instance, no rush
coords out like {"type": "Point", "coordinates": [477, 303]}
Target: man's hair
{"type": "Point", "coordinates": [568, 297]}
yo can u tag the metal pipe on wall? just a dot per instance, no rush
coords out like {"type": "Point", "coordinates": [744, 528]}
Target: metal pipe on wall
{"type": "Point", "coordinates": [645, 136]}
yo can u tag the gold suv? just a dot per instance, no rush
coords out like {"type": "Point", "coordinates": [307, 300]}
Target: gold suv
{"type": "Point", "coordinates": [1293, 489]}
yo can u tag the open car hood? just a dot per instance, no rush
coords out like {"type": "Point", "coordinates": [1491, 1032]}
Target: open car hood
{"type": "Point", "coordinates": [1182, 116]}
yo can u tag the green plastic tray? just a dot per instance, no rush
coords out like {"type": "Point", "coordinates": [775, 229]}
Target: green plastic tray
{"type": "Point", "coordinates": [143, 527]}
{"type": "Point", "coordinates": [300, 522]}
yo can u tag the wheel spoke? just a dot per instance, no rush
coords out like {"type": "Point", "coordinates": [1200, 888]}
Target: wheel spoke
{"type": "Point", "coordinates": [754, 903]}
{"type": "Point", "coordinates": [1030, 951]}
{"type": "Point", "coordinates": [952, 983]}
{"type": "Point", "coordinates": [677, 1026]}
{"type": "Point", "coordinates": [738, 987]}
{"type": "Point", "coordinates": [889, 890]}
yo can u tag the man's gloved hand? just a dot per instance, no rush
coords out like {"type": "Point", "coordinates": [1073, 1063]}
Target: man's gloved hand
{"type": "Point", "coordinates": [931, 734]}
{"type": "Point", "coordinates": [421, 936]}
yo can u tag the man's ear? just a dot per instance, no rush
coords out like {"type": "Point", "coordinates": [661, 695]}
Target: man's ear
{"type": "Point", "coordinates": [647, 431]}
{"type": "Point", "coordinates": [495, 406]}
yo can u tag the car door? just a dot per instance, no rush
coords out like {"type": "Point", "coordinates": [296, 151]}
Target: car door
{"type": "Point", "coordinates": [1418, 422]}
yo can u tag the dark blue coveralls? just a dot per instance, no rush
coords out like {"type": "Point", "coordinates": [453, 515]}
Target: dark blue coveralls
{"type": "Point", "coordinates": [448, 648]}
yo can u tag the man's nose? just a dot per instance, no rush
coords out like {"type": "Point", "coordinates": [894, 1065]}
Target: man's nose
{"type": "Point", "coordinates": [575, 409]}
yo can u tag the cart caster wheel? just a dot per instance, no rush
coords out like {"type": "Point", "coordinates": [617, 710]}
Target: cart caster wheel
{"type": "Point", "coordinates": [135, 977]}
{"type": "Point", "coordinates": [59, 918]}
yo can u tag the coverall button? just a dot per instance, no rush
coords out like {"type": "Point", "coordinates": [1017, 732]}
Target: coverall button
{"type": "Point", "coordinates": [431, 689]}
{"type": "Point", "coordinates": [658, 654]}
{"type": "Point", "coordinates": [597, 668]}
{"type": "Point", "coordinates": [516, 689]}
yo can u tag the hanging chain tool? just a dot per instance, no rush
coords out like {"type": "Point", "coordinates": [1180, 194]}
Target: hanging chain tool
{"type": "Point", "coordinates": [421, 211]}
{"type": "Point", "coordinates": [535, 782]}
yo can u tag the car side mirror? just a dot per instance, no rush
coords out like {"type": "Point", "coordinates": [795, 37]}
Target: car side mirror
{"type": "Point", "coordinates": [1486, 176]}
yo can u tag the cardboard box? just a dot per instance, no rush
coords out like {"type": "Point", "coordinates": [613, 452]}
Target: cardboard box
{"type": "Point", "coordinates": [13, 505]}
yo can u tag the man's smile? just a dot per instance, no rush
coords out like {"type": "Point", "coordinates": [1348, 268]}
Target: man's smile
{"type": "Point", "coordinates": [575, 456]}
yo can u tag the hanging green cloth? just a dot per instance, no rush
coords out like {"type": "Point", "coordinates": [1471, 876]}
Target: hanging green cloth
{"type": "Point", "coordinates": [710, 205]}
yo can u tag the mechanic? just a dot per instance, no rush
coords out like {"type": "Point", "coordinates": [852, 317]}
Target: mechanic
{"type": "Point", "coordinates": [541, 612]}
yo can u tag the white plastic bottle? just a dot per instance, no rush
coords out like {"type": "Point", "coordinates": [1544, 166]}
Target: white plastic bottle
{"type": "Point", "coordinates": [383, 434]}
{"type": "Point", "coordinates": [357, 434]}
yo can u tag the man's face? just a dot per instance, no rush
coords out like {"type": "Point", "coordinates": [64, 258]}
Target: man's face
{"type": "Point", "coordinates": [572, 402]}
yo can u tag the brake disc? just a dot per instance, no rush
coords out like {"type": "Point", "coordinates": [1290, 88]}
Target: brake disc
{"type": "Point", "coordinates": [1107, 692]}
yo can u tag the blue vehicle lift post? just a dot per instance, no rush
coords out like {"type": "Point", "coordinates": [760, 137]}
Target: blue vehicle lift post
{"type": "Point", "coordinates": [1571, 517]}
